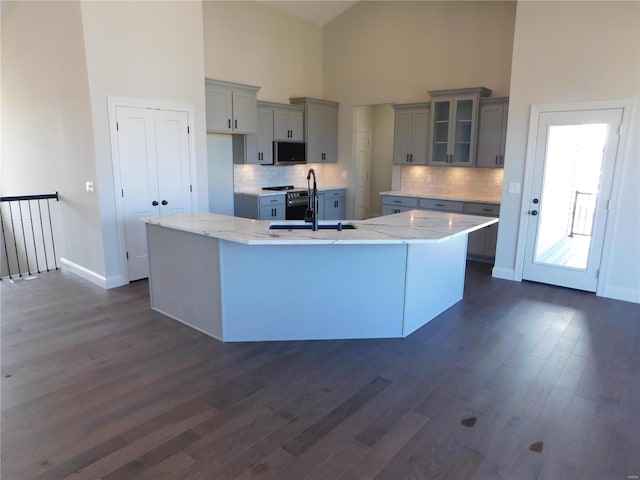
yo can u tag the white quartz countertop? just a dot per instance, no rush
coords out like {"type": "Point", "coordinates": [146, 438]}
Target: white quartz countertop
{"type": "Point", "coordinates": [261, 192]}
{"type": "Point", "coordinates": [415, 226]}
{"type": "Point", "coordinates": [445, 196]}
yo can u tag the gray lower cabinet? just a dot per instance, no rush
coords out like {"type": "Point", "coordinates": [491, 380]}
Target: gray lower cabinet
{"type": "Point", "coordinates": [333, 204]}
{"type": "Point", "coordinates": [395, 204]}
{"type": "Point", "coordinates": [492, 131]}
{"type": "Point", "coordinates": [482, 243]}
{"type": "Point", "coordinates": [260, 207]}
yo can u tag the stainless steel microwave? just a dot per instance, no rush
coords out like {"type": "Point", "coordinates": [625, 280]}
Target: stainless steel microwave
{"type": "Point", "coordinates": [289, 153]}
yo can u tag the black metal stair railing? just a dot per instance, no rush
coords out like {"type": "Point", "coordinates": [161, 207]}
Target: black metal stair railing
{"type": "Point", "coordinates": [27, 235]}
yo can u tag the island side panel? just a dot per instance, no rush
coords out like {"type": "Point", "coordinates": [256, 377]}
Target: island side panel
{"type": "Point", "coordinates": [184, 279]}
{"type": "Point", "coordinates": [312, 292]}
{"type": "Point", "coordinates": [435, 280]}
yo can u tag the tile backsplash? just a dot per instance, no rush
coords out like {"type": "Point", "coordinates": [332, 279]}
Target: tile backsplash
{"type": "Point", "coordinates": [252, 177]}
{"type": "Point", "coordinates": [484, 182]}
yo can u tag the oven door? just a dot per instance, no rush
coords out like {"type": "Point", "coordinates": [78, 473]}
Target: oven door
{"type": "Point", "coordinates": [295, 212]}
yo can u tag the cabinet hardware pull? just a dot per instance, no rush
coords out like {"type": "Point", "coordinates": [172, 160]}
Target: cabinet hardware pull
{"type": "Point", "coordinates": [439, 205]}
{"type": "Point", "coordinates": [497, 161]}
{"type": "Point", "coordinates": [229, 122]}
{"type": "Point", "coordinates": [164, 202]}
{"type": "Point", "coordinates": [154, 203]}
{"type": "Point", "coordinates": [397, 201]}
{"type": "Point", "coordinates": [236, 124]}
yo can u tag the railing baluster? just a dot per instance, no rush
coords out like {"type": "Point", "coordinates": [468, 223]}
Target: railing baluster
{"type": "Point", "coordinates": [46, 259]}
{"type": "Point", "coordinates": [53, 243]}
{"type": "Point", "coordinates": [33, 235]}
{"type": "Point", "coordinates": [15, 242]}
{"type": "Point", "coordinates": [24, 238]}
{"type": "Point", "coordinates": [4, 242]}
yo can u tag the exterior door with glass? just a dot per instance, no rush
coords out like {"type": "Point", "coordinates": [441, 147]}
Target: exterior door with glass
{"type": "Point", "coordinates": [573, 168]}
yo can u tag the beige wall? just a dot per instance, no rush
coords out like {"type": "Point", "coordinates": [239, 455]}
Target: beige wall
{"type": "Point", "coordinates": [247, 42]}
{"type": "Point", "coordinates": [577, 52]}
{"type": "Point", "coordinates": [47, 136]}
{"type": "Point", "coordinates": [150, 51]}
{"type": "Point", "coordinates": [394, 52]}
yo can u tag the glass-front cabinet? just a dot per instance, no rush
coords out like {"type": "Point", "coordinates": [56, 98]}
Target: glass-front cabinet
{"type": "Point", "coordinates": [454, 123]}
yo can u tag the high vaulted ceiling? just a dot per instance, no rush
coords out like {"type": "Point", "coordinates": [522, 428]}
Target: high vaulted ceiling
{"type": "Point", "coordinates": [313, 11]}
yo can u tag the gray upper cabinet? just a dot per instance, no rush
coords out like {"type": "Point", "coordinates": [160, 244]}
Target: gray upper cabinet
{"type": "Point", "coordinates": [256, 148]}
{"type": "Point", "coordinates": [492, 131]}
{"type": "Point", "coordinates": [454, 118]}
{"type": "Point", "coordinates": [411, 134]}
{"type": "Point", "coordinates": [321, 129]}
{"type": "Point", "coordinates": [288, 123]}
{"type": "Point", "coordinates": [230, 107]}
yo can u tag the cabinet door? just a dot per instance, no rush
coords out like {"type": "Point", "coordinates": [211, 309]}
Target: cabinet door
{"type": "Point", "coordinates": [244, 112]}
{"type": "Point", "coordinates": [491, 240]}
{"type": "Point", "coordinates": [281, 129]}
{"type": "Point", "coordinates": [440, 131]}
{"type": "Point", "coordinates": [402, 137]}
{"type": "Point", "coordinates": [322, 134]}
{"type": "Point", "coordinates": [491, 135]}
{"type": "Point", "coordinates": [476, 242]}
{"type": "Point", "coordinates": [264, 148]}
{"type": "Point", "coordinates": [419, 137]}
{"type": "Point", "coordinates": [296, 125]}
{"type": "Point", "coordinates": [461, 144]}
{"type": "Point", "coordinates": [219, 109]}
{"type": "Point", "coordinates": [334, 208]}
{"type": "Point", "coordinates": [272, 212]}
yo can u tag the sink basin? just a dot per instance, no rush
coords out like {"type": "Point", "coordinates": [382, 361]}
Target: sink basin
{"type": "Point", "coordinates": [302, 225]}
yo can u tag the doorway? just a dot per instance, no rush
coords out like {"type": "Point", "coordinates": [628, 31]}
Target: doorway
{"type": "Point", "coordinates": [572, 175]}
{"type": "Point", "coordinates": [152, 173]}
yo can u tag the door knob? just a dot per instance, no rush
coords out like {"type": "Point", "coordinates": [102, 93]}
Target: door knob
{"type": "Point", "coordinates": [154, 203]}
{"type": "Point", "coordinates": [533, 212]}
{"type": "Point", "coordinates": [535, 200]}
{"type": "Point", "coordinates": [164, 202]}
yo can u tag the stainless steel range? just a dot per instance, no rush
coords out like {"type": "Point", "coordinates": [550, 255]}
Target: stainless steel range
{"type": "Point", "coordinates": [297, 200]}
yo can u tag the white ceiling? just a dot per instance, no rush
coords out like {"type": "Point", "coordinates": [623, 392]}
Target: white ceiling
{"type": "Point", "coordinates": [319, 12]}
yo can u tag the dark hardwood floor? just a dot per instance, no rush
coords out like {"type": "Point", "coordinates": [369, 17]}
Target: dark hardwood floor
{"type": "Point", "coordinates": [517, 381]}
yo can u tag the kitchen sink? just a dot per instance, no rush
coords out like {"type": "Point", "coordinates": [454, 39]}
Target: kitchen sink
{"type": "Point", "coordinates": [302, 225]}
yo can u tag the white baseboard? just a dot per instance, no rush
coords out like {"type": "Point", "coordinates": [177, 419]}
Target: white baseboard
{"type": "Point", "coordinates": [503, 273]}
{"type": "Point", "coordinates": [93, 277]}
{"type": "Point", "coordinates": [618, 293]}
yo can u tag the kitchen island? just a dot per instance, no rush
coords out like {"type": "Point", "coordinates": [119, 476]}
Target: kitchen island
{"type": "Point", "coordinates": [237, 280]}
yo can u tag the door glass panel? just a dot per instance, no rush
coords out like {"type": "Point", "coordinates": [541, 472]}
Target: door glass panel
{"type": "Point", "coordinates": [461, 151]}
{"type": "Point", "coordinates": [571, 183]}
{"type": "Point", "coordinates": [440, 132]}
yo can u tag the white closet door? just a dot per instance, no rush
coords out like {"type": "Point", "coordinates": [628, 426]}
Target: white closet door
{"type": "Point", "coordinates": [139, 182]}
{"type": "Point", "coordinates": [154, 164]}
{"type": "Point", "coordinates": [173, 165]}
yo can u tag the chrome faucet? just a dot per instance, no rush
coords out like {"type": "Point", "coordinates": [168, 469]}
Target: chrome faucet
{"type": "Point", "coordinates": [311, 215]}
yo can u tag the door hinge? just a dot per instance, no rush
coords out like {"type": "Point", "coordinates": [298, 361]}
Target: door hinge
{"type": "Point", "coordinates": [127, 255]}
{"type": "Point", "coordinates": [191, 188]}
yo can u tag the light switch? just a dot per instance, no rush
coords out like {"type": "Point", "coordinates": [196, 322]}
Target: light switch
{"type": "Point", "coordinates": [343, 174]}
{"type": "Point", "coordinates": [89, 187]}
{"type": "Point", "coordinates": [514, 187]}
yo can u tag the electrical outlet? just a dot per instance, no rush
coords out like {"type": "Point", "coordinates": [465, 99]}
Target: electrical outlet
{"type": "Point", "coordinates": [89, 187]}
{"type": "Point", "coordinates": [343, 174]}
{"type": "Point", "coordinates": [428, 178]}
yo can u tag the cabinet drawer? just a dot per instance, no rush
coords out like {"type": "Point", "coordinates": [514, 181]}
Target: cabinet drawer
{"type": "Point", "coordinates": [487, 209]}
{"type": "Point", "coordinates": [400, 201]}
{"type": "Point", "coordinates": [445, 205]}
{"type": "Point", "coordinates": [334, 193]}
{"type": "Point", "coordinates": [271, 200]}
